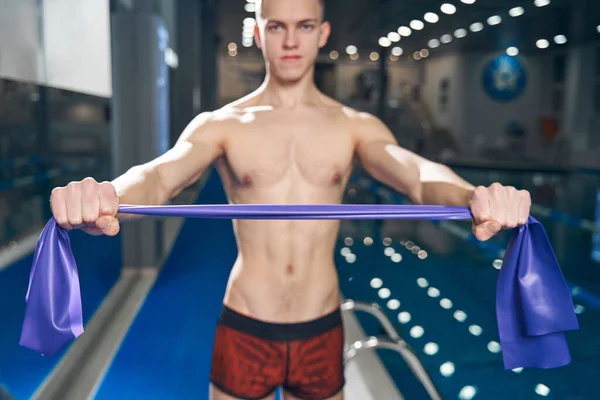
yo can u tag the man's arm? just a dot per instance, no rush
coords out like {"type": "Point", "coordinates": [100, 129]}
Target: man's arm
{"type": "Point", "coordinates": [422, 180]}
{"type": "Point", "coordinates": [426, 182]}
{"type": "Point", "coordinates": [159, 180]}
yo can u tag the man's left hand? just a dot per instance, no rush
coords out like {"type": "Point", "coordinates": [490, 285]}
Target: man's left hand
{"type": "Point", "coordinates": [497, 207]}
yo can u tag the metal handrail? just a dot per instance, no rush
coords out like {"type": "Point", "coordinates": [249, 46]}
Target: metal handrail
{"type": "Point", "coordinates": [393, 342]}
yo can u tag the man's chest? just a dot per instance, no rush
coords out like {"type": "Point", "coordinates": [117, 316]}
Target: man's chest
{"type": "Point", "coordinates": [320, 152]}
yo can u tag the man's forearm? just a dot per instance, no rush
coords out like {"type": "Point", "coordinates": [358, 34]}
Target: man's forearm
{"type": "Point", "coordinates": [139, 185]}
{"type": "Point", "coordinates": [442, 186]}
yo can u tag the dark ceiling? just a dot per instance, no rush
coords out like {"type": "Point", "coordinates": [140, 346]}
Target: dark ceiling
{"type": "Point", "coordinates": [363, 22]}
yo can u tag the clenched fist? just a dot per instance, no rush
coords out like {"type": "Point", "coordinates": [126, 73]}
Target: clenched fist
{"type": "Point", "coordinates": [86, 205]}
{"type": "Point", "coordinates": [497, 207]}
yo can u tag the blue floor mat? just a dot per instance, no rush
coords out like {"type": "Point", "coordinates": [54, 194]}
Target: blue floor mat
{"type": "Point", "coordinates": [166, 353]}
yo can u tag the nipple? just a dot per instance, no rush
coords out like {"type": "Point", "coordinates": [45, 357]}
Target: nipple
{"type": "Point", "coordinates": [337, 177]}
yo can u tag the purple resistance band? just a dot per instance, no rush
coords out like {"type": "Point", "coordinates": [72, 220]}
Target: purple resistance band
{"type": "Point", "coordinates": [533, 303]}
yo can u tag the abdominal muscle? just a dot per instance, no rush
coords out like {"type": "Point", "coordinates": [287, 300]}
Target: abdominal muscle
{"type": "Point", "coordinates": [284, 271]}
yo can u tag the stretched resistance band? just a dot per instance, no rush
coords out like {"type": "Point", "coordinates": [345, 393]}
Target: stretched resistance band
{"type": "Point", "coordinates": [534, 307]}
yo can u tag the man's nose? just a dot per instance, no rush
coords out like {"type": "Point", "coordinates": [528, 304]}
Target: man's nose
{"type": "Point", "coordinates": [291, 39]}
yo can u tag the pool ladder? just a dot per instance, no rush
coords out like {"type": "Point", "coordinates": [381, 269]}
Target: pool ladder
{"type": "Point", "coordinates": [393, 341]}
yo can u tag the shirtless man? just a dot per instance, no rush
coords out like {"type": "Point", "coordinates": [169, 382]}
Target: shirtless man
{"type": "Point", "coordinates": [286, 143]}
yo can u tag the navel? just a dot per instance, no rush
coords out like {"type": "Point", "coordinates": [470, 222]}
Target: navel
{"type": "Point", "coordinates": [289, 269]}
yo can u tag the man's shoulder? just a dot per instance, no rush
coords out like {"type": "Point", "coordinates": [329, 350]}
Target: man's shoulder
{"type": "Point", "coordinates": [217, 118]}
{"type": "Point", "coordinates": [358, 117]}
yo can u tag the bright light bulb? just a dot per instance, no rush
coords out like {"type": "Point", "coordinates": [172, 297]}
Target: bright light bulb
{"type": "Point", "coordinates": [560, 39]}
{"type": "Point", "coordinates": [512, 51]}
{"type": "Point", "coordinates": [460, 33]}
{"type": "Point", "coordinates": [404, 31]}
{"type": "Point", "coordinates": [417, 25]}
{"type": "Point", "coordinates": [542, 44]}
{"type": "Point", "coordinates": [447, 8]}
{"type": "Point", "coordinates": [494, 20]}
{"type": "Point", "coordinates": [385, 42]}
{"type": "Point", "coordinates": [394, 36]}
{"type": "Point", "coordinates": [516, 11]}
{"type": "Point", "coordinates": [476, 27]}
{"type": "Point", "coordinates": [432, 18]}
{"type": "Point", "coordinates": [433, 43]}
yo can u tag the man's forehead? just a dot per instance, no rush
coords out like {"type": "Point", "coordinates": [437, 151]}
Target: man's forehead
{"type": "Point", "coordinates": [289, 10]}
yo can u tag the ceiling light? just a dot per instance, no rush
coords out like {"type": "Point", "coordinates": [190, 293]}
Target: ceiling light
{"type": "Point", "coordinates": [476, 27]}
{"type": "Point", "coordinates": [541, 3]}
{"type": "Point", "coordinates": [560, 39]}
{"type": "Point", "coordinates": [494, 20]}
{"type": "Point", "coordinates": [424, 53]}
{"type": "Point", "coordinates": [448, 8]}
{"type": "Point", "coordinates": [446, 38]}
{"type": "Point", "coordinates": [417, 25]}
{"type": "Point", "coordinates": [460, 33]}
{"type": "Point", "coordinates": [542, 44]}
{"type": "Point", "coordinates": [394, 36]}
{"type": "Point", "coordinates": [385, 42]}
{"type": "Point", "coordinates": [433, 43]}
{"type": "Point", "coordinates": [432, 18]}
{"type": "Point", "coordinates": [516, 11]}
{"type": "Point", "coordinates": [351, 50]}
{"type": "Point", "coordinates": [404, 31]}
{"type": "Point", "coordinates": [334, 55]}
{"type": "Point", "coordinates": [397, 51]}
{"type": "Point", "coordinates": [512, 51]}
{"type": "Point", "coordinates": [374, 56]}
{"type": "Point", "coordinates": [468, 1]}
{"type": "Point", "coordinates": [417, 55]}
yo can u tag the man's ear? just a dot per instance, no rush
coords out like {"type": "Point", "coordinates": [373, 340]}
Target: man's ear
{"type": "Point", "coordinates": [325, 32]}
{"type": "Point", "coordinates": [257, 39]}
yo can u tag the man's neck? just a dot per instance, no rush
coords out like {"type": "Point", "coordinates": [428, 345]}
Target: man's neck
{"type": "Point", "coordinates": [289, 95]}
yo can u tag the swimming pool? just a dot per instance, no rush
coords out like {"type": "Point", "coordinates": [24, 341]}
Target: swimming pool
{"type": "Point", "coordinates": [439, 290]}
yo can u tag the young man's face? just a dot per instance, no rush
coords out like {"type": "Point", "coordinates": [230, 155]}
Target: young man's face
{"type": "Point", "coordinates": [290, 34]}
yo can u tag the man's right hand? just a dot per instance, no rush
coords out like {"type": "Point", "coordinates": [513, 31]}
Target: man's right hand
{"type": "Point", "coordinates": [86, 205]}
